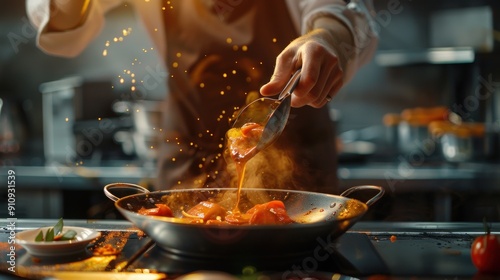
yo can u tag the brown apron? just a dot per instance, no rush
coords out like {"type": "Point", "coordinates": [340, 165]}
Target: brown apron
{"type": "Point", "coordinates": [219, 53]}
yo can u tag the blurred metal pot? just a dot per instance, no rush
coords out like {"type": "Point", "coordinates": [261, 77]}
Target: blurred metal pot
{"type": "Point", "coordinates": [408, 131]}
{"type": "Point", "coordinates": [466, 141]}
{"type": "Point", "coordinates": [415, 139]}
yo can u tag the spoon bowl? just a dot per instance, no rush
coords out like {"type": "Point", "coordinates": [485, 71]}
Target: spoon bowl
{"type": "Point", "coordinates": [269, 112]}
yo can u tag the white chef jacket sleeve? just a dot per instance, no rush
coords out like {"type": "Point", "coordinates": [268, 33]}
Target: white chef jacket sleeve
{"type": "Point", "coordinates": [356, 16]}
{"type": "Point", "coordinates": [68, 43]}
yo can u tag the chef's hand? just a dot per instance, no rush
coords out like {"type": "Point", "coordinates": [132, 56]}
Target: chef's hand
{"type": "Point", "coordinates": [322, 67]}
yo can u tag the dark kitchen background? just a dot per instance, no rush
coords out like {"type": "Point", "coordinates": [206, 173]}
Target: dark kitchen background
{"type": "Point", "coordinates": [431, 54]}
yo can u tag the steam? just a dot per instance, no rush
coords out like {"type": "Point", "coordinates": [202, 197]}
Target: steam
{"type": "Point", "coordinates": [271, 168]}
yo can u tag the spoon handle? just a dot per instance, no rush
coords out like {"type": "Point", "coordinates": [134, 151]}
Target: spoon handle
{"type": "Point", "coordinates": [290, 86]}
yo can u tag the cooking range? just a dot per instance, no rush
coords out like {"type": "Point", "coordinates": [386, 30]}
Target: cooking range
{"type": "Point", "coordinates": [398, 250]}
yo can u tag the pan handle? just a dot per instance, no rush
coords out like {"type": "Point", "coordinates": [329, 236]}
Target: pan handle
{"type": "Point", "coordinates": [122, 186]}
{"type": "Point", "coordinates": [372, 200]}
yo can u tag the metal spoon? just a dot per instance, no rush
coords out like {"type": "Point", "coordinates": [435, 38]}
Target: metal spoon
{"type": "Point", "coordinates": [270, 113]}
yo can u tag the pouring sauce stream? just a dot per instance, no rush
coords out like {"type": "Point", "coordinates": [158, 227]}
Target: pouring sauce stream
{"type": "Point", "coordinates": [242, 146]}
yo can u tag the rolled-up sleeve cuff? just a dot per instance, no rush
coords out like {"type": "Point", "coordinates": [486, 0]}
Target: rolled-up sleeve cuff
{"type": "Point", "coordinates": [70, 43]}
{"type": "Point", "coordinates": [359, 23]}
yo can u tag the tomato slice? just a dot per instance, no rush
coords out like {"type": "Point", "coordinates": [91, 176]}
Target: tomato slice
{"type": "Point", "coordinates": [270, 213]}
{"type": "Point", "coordinates": [243, 141]}
{"type": "Point", "coordinates": [160, 210]}
{"type": "Point", "coordinates": [252, 129]}
{"type": "Point", "coordinates": [207, 211]}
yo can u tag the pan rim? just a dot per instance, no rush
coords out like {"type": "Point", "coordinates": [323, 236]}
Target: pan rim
{"type": "Point", "coordinates": [295, 225]}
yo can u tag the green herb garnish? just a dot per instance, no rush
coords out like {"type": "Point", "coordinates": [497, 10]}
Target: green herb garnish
{"type": "Point", "coordinates": [56, 233]}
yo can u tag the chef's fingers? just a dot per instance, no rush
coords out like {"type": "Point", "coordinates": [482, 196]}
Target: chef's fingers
{"type": "Point", "coordinates": [334, 85]}
{"type": "Point", "coordinates": [332, 91]}
{"type": "Point", "coordinates": [317, 81]}
{"type": "Point", "coordinates": [322, 92]}
{"type": "Point", "coordinates": [311, 85]}
{"type": "Point", "coordinates": [286, 65]}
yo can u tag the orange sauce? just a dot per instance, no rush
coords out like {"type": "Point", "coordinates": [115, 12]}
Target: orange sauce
{"type": "Point", "coordinates": [242, 146]}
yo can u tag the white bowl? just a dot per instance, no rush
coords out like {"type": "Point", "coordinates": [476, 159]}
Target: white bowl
{"type": "Point", "coordinates": [56, 248]}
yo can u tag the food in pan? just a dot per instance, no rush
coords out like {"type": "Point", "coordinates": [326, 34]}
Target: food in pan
{"type": "Point", "coordinates": [241, 147]}
{"type": "Point", "coordinates": [159, 210]}
{"type": "Point", "coordinates": [210, 213]}
{"type": "Point", "coordinates": [206, 211]}
{"type": "Point", "coordinates": [269, 213]}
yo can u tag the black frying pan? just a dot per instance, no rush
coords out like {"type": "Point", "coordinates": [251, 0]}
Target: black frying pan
{"type": "Point", "coordinates": [321, 218]}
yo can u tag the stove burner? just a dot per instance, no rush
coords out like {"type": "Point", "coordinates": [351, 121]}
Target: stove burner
{"type": "Point", "coordinates": [325, 259]}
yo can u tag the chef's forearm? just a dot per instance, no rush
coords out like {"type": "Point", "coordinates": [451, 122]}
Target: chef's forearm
{"type": "Point", "coordinates": [67, 14]}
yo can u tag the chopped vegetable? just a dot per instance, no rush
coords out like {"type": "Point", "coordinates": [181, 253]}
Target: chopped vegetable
{"type": "Point", "coordinates": [270, 213]}
{"type": "Point", "coordinates": [207, 211]}
{"type": "Point", "coordinates": [242, 142]}
{"type": "Point", "coordinates": [210, 213]}
{"type": "Point", "coordinates": [160, 210]}
{"type": "Point", "coordinates": [249, 128]}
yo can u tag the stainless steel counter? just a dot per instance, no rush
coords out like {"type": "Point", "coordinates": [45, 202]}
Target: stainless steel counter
{"type": "Point", "coordinates": [80, 177]}
{"type": "Point", "coordinates": [404, 177]}
{"type": "Point", "coordinates": [398, 176]}
{"type": "Point", "coordinates": [42, 190]}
